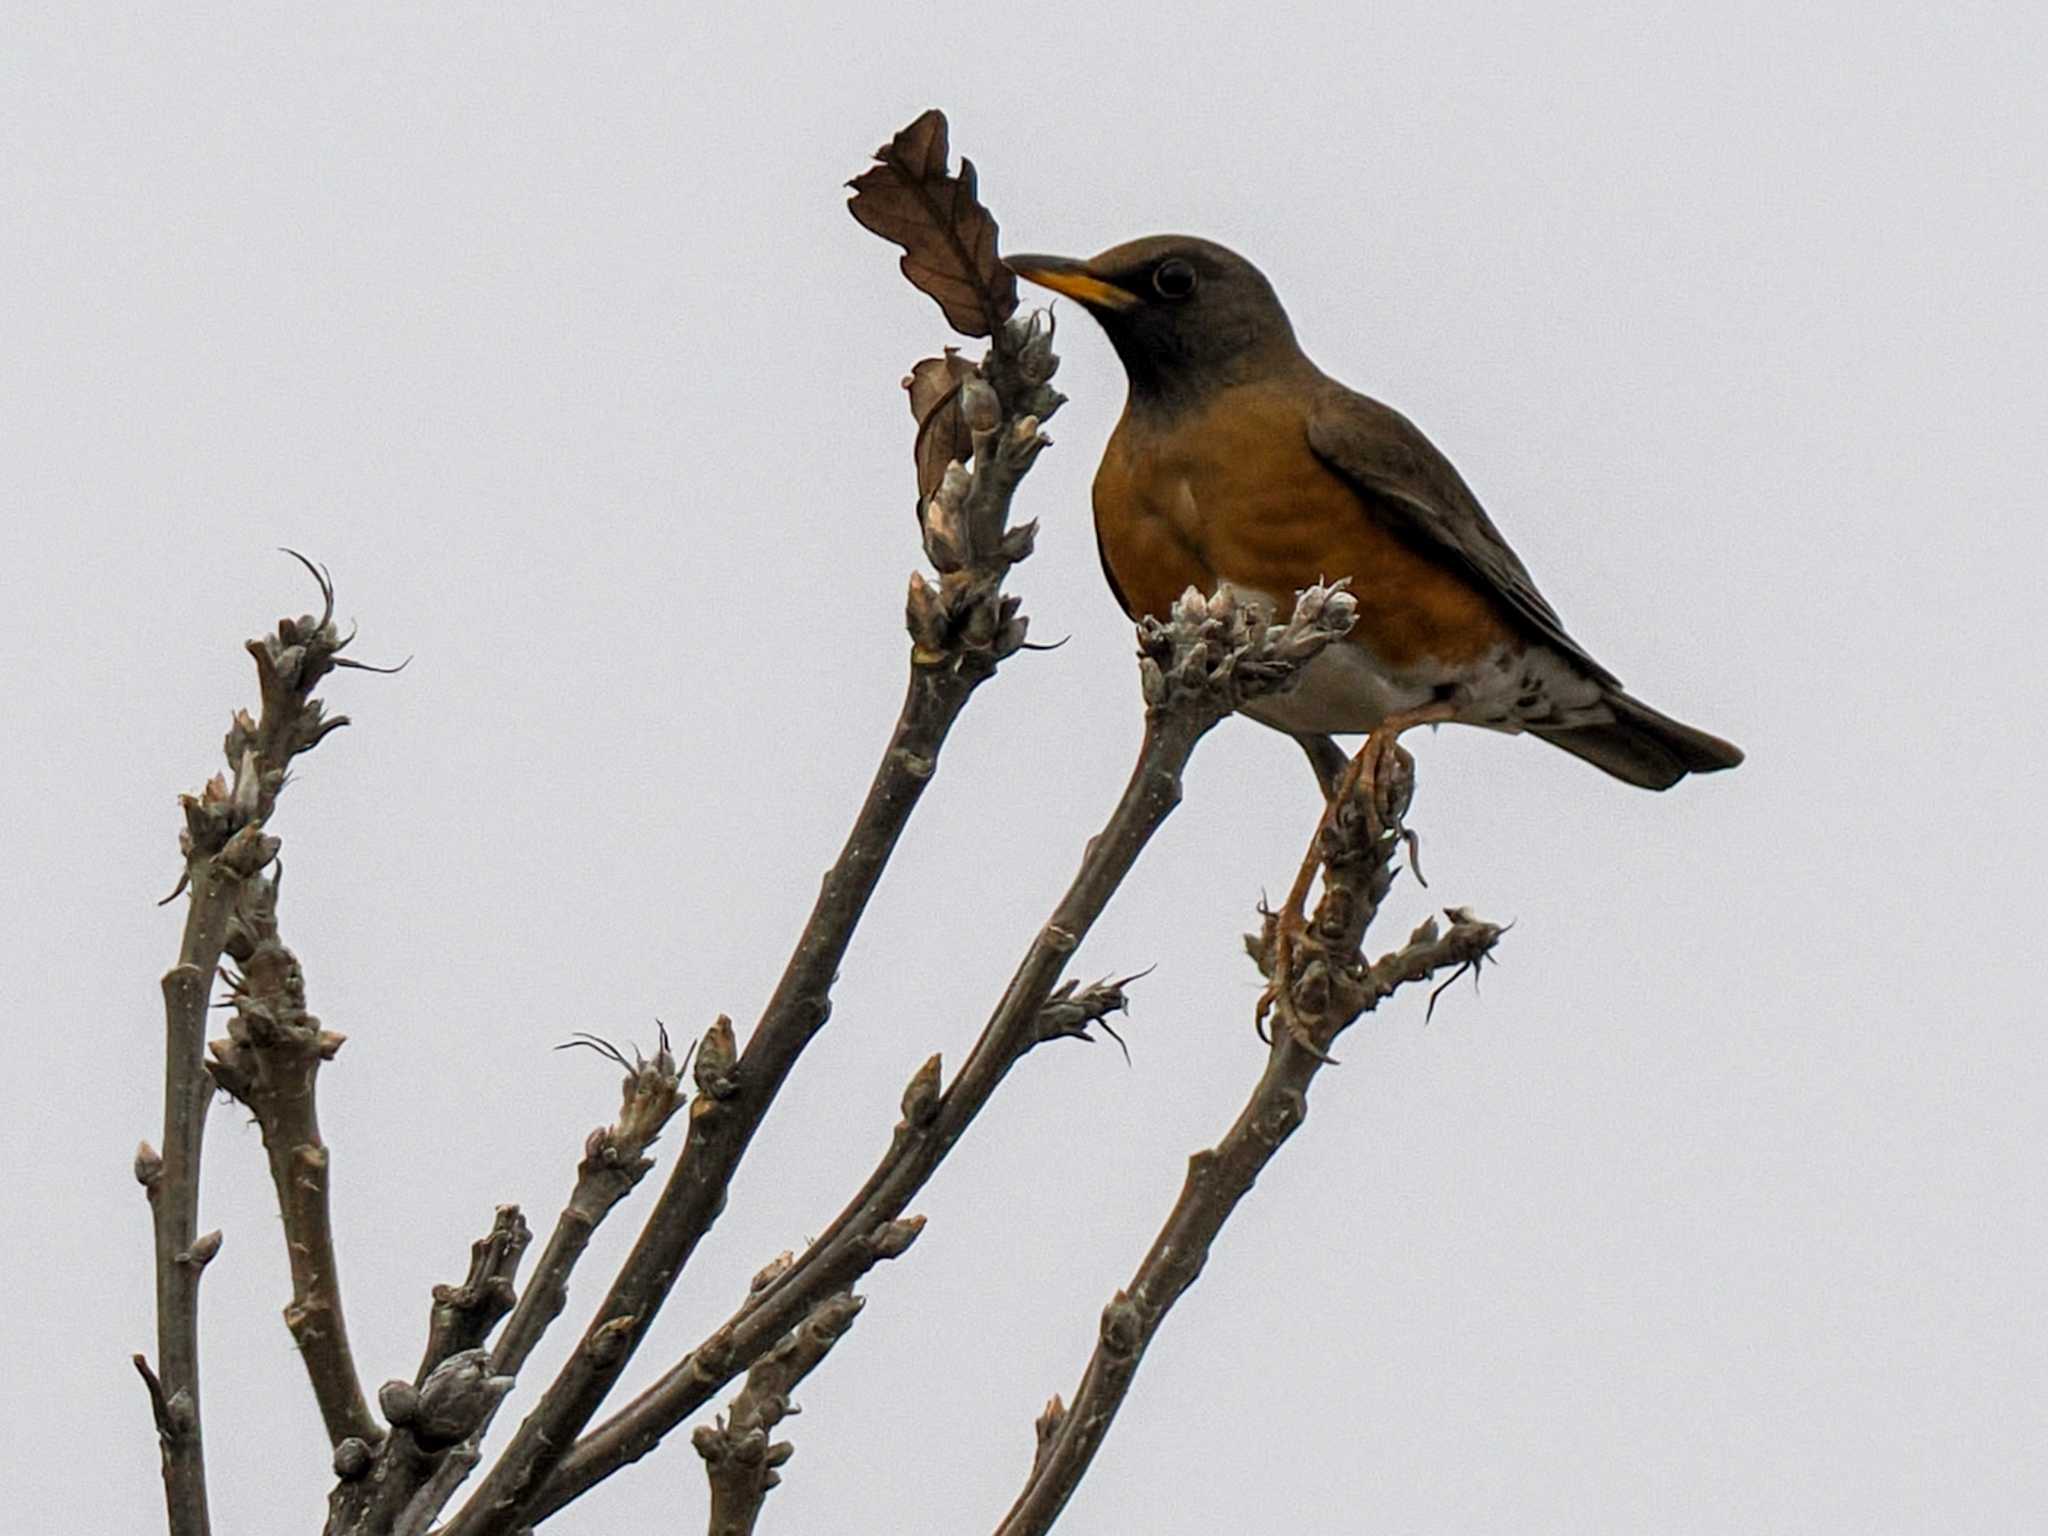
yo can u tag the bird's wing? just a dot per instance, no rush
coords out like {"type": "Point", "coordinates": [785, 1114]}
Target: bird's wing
{"type": "Point", "coordinates": [1400, 475]}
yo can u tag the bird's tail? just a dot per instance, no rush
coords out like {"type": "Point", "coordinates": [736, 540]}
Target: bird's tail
{"type": "Point", "coordinates": [1641, 746]}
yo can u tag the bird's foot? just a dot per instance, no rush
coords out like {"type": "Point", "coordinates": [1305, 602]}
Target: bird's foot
{"type": "Point", "coordinates": [1289, 926]}
{"type": "Point", "coordinates": [1281, 938]}
{"type": "Point", "coordinates": [1299, 1032]}
{"type": "Point", "coordinates": [1378, 779]}
{"type": "Point", "coordinates": [1279, 1001]}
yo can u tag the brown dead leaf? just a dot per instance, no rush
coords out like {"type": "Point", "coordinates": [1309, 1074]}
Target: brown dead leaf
{"type": "Point", "coordinates": [942, 434]}
{"type": "Point", "coordinates": [948, 238]}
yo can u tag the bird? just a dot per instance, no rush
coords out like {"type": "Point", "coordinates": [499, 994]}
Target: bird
{"type": "Point", "coordinates": [1238, 460]}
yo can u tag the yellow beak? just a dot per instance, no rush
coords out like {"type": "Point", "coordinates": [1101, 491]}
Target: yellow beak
{"type": "Point", "coordinates": [1064, 275]}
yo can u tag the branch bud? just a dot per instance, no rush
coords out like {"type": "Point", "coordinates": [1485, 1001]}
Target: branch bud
{"type": "Point", "coordinates": [458, 1393]}
{"type": "Point", "coordinates": [1020, 541]}
{"type": "Point", "coordinates": [648, 1099]}
{"type": "Point", "coordinates": [921, 1097]}
{"type": "Point", "coordinates": [1036, 360]}
{"type": "Point", "coordinates": [771, 1272]}
{"type": "Point", "coordinates": [400, 1401]}
{"type": "Point", "coordinates": [352, 1458]}
{"type": "Point", "coordinates": [980, 409]}
{"type": "Point", "coordinates": [608, 1340]}
{"type": "Point", "coordinates": [1048, 1422]}
{"type": "Point", "coordinates": [946, 542]}
{"type": "Point", "coordinates": [925, 616]}
{"type": "Point", "coordinates": [716, 1056]}
{"type": "Point", "coordinates": [893, 1238]}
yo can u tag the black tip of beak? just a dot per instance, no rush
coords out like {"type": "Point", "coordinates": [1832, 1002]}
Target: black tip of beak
{"type": "Point", "coordinates": [1035, 262]}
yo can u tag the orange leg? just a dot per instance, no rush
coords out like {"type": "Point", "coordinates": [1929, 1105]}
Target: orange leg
{"type": "Point", "coordinates": [1290, 926]}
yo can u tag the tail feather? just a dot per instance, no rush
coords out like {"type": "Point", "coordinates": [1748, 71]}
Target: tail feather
{"type": "Point", "coordinates": [1641, 746]}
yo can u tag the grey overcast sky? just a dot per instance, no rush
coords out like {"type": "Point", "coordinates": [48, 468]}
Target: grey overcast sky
{"type": "Point", "coordinates": [1719, 1209]}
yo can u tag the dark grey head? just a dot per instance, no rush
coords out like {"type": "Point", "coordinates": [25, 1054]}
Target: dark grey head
{"type": "Point", "coordinates": [1185, 315]}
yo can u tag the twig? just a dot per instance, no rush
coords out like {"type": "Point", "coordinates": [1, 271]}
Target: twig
{"type": "Point", "coordinates": [961, 628]}
{"type": "Point", "coordinates": [172, 1181]}
{"type": "Point", "coordinates": [463, 1315]}
{"type": "Point", "coordinates": [1195, 669]}
{"type": "Point", "coordinates": [740, 1457]}
{"type": "Point", "coordinates": [1333, 990]}
{"type": "Point", "coordinates": [270, 1062]}
{"type": "Point", "coordinates": [428, 1422]}
{"type": "Point", "coordinates": [224, 847]}
{"type": "Point", "coordinates": [377, 1476]}
{"type": "Point", "coordinates": [614, 1162]}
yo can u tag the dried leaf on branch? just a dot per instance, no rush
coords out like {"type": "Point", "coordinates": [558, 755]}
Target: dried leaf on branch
{"type": "Point", "coordinates": [948, 238]}
{"type": "Point", "coordinates": [934, 385]}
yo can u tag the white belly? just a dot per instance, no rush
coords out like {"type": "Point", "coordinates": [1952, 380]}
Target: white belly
{"type": "Point", "coordinates": [1347, 689]}
{"type": "Point", "coordinates": [1343, 690]}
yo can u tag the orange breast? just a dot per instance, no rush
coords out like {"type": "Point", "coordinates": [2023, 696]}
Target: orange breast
{"type": "Point", "coordinates": [1233, 492]}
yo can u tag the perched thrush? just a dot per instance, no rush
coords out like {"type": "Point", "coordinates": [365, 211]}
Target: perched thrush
{"type": "Point", "coordinates": [1238, 460]}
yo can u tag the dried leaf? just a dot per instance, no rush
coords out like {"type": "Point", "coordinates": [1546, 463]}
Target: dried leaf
{"type": "Point", "coordinates": [942, 434]}
{"type": "Point", "coordinates": [948, 238]}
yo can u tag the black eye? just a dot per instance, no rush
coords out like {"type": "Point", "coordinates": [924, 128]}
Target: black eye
{"type": "Point", "coordinates": [1173, 279]}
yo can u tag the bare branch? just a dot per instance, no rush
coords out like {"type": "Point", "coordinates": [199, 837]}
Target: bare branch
{"type": "Point", "coordinates": [378, 1476]}
{"type": "Point", "coordinates": [1334, 990]}
{"type": "Point", "coordinates": [463, 1316]}
{"type": "Point", "coordinates": [225, 846]}
{"type": "Point", "coordinates": [270, 1062]}
{"type": "Point", "coordinates": [740, 1457]}
{"type": "Point", "coordinates": [961, 628]}
{"type": "Point", "coordinates": [172, 1182]}
{"type": "Point", "coordinates": [614, 1162]}
{"type": "Point", "coordinates": [428, 1422]}
{"type": "Point", "coordinates": [1195, 669]}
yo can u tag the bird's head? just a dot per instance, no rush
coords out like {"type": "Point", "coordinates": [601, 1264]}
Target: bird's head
{"type": "Point", "coordinates": [1185, 315]}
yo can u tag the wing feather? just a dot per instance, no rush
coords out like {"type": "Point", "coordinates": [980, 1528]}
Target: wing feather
{"type": "Point", "coordinates": [1400, 474]}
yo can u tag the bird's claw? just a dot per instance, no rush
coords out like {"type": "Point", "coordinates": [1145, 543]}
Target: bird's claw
{"type": "Point", "coordinates": [1303, 1037]}
{"type": "Point", "coordinates": [1277, 1001]}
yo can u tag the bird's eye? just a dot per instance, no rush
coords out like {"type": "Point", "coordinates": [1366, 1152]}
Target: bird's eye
{"type": "Point", "coordinates": [1173, 279]}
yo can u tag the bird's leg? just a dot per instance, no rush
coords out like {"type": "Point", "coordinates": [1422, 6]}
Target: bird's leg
{"type": "Point", "coordinates": [1329, 761]}
{"type": "Point", "coordinates": [1364, 774]}
{"type": "Point", "coordinates": [1336, 773]}
{"type": "Point", "coordinates": [1290, 924]}
{"type": "Point", "coordinates": [1376, 758]}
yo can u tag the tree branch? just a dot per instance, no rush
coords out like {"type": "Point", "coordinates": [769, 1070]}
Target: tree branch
{"type": "Point", "coordinates": [1333, 990]}
{"type": "Point", "coordinates": [1195, 669]}
{"type": "Point", "coordinates": [172, 1181]}
{"type": "Point", "coordinates": [428, 1422]}
{"type": "Point", "coordinates": [377, 1476]}
{"type": "Point", "coordinates": [224, 847]}
{"type": "Point", "coordinates": [961, 628]}
{"type": "Point", "coordinates": [614, 1162]}
{"type": "Point", "coordinates": [463, 1315]}
{"type": "Point", "coordinates": [740, 1459]}
{"type": "Point", "coordinates": [270, 1062]}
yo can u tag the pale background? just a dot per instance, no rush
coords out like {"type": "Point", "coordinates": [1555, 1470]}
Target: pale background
{"type": "Point", "coordinates": [1718, 1210]}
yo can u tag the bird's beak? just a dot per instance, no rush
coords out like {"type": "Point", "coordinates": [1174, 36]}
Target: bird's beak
{"type": "Point", "coordinates": [1062, 274]}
